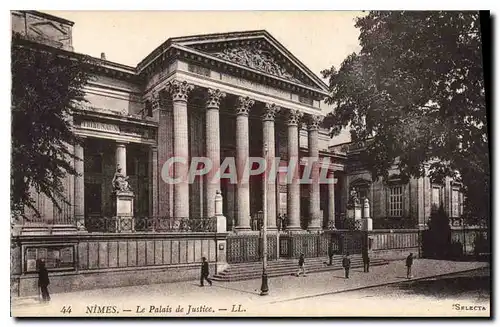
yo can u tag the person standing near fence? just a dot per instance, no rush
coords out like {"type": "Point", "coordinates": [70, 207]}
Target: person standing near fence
{"type": "Point", "coordinates": [43, 280]}
{"type": "Point", "coordinates": [366, 261]}
{"type": "Point", "coordinates": [204, 272]}
{"type": "Point", "coordinates": [302, 266]}
{"type": "Point", "coordinates": [346, 263]}
{"type": "Point", "coordinates": [409, 263]}
{"type": "Point", "coordinates": [330, 253]}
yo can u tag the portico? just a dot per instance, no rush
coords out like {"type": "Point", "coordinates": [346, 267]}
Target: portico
{"type": "Point", "coordinates": [221, 99]}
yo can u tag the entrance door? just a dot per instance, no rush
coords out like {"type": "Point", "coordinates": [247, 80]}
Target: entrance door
{"type": "Point", "coordinates": [93, 199]}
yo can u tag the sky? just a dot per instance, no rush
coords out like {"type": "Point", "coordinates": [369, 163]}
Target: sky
{"type": "Point", "coordinates": [319, 39]}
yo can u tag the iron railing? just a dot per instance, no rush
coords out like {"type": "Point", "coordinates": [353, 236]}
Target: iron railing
{"type": "Point", "coordinates": [117, 224]}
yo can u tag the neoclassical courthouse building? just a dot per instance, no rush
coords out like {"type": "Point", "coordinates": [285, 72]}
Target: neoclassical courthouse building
{"type": "Point", "coordinates": [220, 96]}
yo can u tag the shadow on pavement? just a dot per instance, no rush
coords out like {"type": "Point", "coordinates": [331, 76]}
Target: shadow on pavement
{"type": "Point", "coordinates": [474, 285]}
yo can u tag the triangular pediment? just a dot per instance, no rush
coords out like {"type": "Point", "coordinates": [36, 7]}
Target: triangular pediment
{"type": "Point", "coordinates": [256, 50]}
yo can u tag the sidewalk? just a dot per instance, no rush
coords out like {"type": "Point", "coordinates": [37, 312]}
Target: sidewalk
{"type": "Point", "coordinates": [227, 298]}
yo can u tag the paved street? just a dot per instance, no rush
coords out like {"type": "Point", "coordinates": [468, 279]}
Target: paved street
{"type": "Point", "coordinates": [383, 291]}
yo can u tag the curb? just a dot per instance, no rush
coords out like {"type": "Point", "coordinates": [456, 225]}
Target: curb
{"type": "Point", "coordinates": [375, 286]}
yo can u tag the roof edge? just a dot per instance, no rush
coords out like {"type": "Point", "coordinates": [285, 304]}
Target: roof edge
{"type": "Point", "coordinates": [48, 16]}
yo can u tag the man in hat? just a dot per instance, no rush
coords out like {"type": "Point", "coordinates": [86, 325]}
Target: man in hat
{"type": "Point", "coordinates": [204, 272]}
{"type": "Point", "coordinates": [302, 267]}
{"type": "Point", "coordinates": [346, 263]}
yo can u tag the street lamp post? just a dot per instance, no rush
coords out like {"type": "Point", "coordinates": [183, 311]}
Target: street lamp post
{"type": "Point", "coordinates": [264, 288]}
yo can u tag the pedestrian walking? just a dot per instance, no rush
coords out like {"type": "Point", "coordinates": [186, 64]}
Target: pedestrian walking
{"type": "Point", "coordinates": [302, 266]}
{"type": "Point", "coordinates": [366, 261]}
{"type": "Point", "coordinates": [43, 280]}
{"type": "Point", "coordinates": [346, 263]}
{"type": "Point", "coordinates": [409, 263]}
{"type": "Point", "coordinates": [204, 272]}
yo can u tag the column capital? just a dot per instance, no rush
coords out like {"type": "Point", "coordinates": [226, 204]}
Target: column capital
{"type": "Point", "coordinates": [270, 111]}
{"type": "Point", "coordinates": [153, 148]}
{"type": "Point", "coordinates": [179, 90]}
{"type": "Point", "coordinates": [121, 144]}
{"type": "Point", "coordinates": [214, 96]}
{"type": "Point", "coordinates": [294, 117]}
{"type": "Point", "coordinates": [313, 122]}
{"type": "Point", "coordinates": [243, 105]}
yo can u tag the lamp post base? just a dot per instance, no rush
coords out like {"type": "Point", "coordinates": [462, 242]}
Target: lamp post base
{"type": "Point", "coordinates": [264, 288]}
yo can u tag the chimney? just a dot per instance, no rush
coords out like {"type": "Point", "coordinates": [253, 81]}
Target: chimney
{"type": "Point", "coordinates": [103, 56]}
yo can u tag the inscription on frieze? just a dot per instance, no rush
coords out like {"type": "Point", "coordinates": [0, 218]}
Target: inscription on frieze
{"type": "Point", "coordinates": [100, 126]}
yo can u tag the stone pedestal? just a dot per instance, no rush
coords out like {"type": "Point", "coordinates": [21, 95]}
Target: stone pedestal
{"type": "Point", "coordinates": [221, 263]}
{"type": "Point", "coordinates": [123, 202]}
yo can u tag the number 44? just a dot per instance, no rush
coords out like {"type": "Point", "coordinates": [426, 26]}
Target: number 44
{"type": "Point", "coordinates": [66, 309]}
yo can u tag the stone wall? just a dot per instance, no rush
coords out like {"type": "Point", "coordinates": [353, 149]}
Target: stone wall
{"type": "Point", "coordinates": [97, 260]}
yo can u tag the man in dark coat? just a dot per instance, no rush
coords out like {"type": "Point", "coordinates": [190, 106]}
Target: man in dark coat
{"type": "Point", "coordinates": [204, 272]}
{"type": "Point", "coordinates": [366, 261]}
{"type": "Point", "coordinates": [346, 263]}
{"type": "Point", "coordinates": [330, 253]}
{"type": "Point", "coordinates": [302, 267]}
{"type": "Point", "coordinates": [43, 280]}
{"type": "Point", "coordinates": [409, 263]}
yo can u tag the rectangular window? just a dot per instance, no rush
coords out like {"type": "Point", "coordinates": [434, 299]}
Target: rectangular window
{"type": "Point", "coordinates": [395, 201]}
{"type": "Point", "coordinates": [455, 203]}
{"type": "Point", "coordinates": [436, 197]}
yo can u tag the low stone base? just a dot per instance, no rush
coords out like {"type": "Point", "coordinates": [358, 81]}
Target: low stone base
{"type": "Point", "coordinates": [394, 254]}
{"type": "Point", "coordinates": [63, 229]}
{"type": "Point", "coordinates": [246, 231]}
{"type": "Point", "coordinates": [79, 281]}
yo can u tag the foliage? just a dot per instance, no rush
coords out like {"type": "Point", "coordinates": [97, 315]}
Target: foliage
{"type": "Point", "coordinates": [437, 239]}
{"type": "Point", "coordinates": [47, 86]}
{"type": "Point", "coordinates": [416, 92]}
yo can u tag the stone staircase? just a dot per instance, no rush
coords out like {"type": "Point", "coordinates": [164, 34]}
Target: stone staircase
{"type": "Point", "coordinates": [285, 267]}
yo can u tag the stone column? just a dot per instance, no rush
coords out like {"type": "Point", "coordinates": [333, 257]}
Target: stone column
{"type": "Point", "coordinates": [243, 105]}
{"type": "Point", "coordinates": [314, 197]}
{"type": "Point", "coordinates": [268, 138]}
{"type": "Point", "coordinates": [79, 188]}
{"type": "Point", "coordinates": [293, 186]}
{"type": "Point", "coordinates": [213, 148]}
{"type": "Point", "coordinates": [153, 184]}
{"type": "Point", "coordinates": [331, 201]}
{"type": "Point", "coordinates": [164, 151]}
{"type": "Point", "coordinates": [121, 157]}
{"type": "Point", "coordinates": [180, 92]}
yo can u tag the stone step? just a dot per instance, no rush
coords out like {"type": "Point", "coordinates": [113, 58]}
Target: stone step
{"type": "Point", "coordinates": [283, 261]}
{"type": "Point", "coordinates": [287, 267]}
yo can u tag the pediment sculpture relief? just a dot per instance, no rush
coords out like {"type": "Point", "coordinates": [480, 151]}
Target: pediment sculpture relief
{"type": "Point", "coordinates": [256, 58]}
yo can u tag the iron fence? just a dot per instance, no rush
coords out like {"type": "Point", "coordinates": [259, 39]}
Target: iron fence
{"type": "Point", "coordinates": [248, 248]}
{"type": "Point", "coordinates": [117, 224]}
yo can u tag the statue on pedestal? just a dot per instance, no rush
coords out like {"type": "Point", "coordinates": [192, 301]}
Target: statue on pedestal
{"type": "Point", "coordinates": [120, 181]}
{"type": "Point", "coordinates": [353, 198]}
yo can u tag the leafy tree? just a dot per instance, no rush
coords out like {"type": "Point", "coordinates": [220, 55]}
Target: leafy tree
{"type": "Point", "coordinates": [437, 239]}
{"type": "Point", "coordinates": [47, 86]}
{"type": "Point", "coordinates": [414, 96]}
